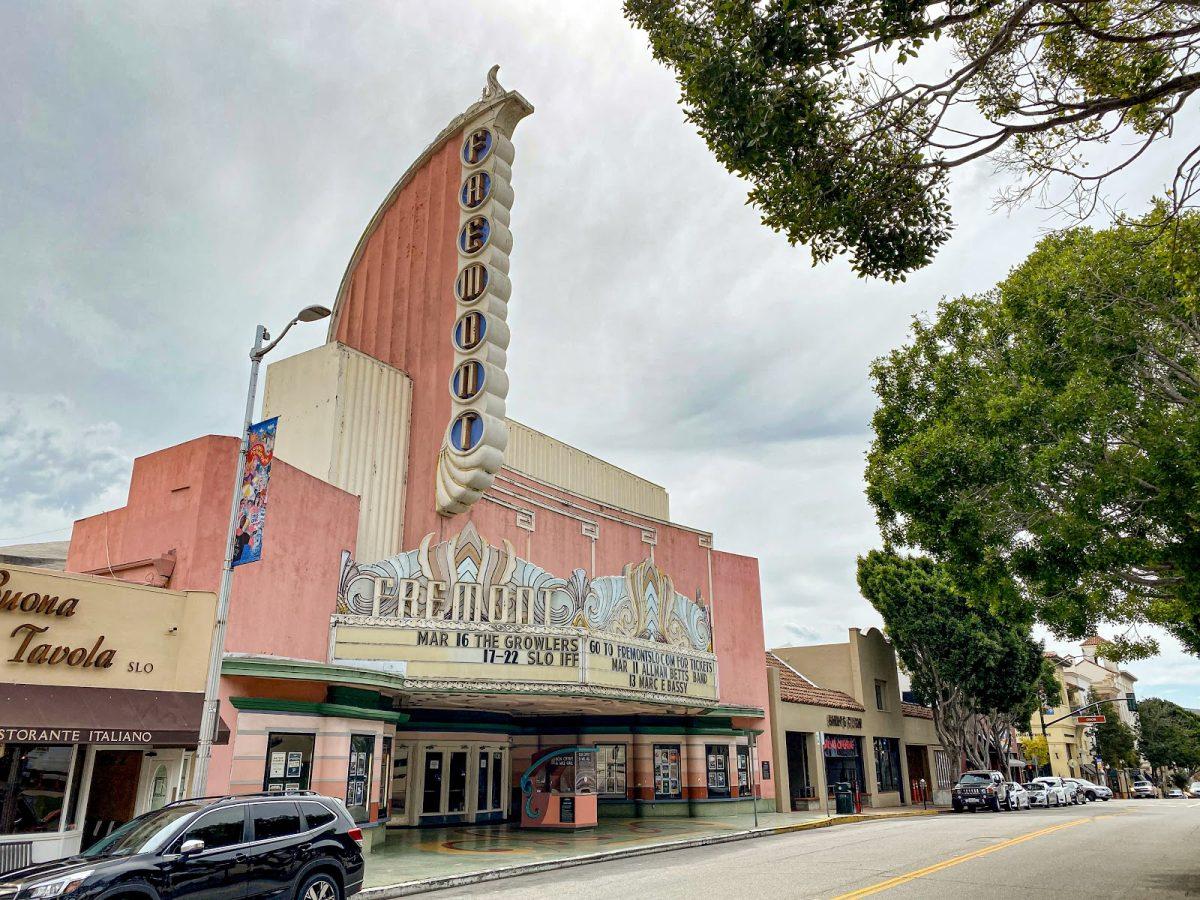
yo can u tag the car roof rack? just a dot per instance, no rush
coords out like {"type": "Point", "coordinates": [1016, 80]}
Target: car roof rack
{"type": "Point", "coordinates": [217, 798]}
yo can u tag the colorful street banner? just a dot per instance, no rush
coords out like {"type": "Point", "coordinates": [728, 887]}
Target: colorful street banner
{"type": "Point", "coordinates": [252, 503]}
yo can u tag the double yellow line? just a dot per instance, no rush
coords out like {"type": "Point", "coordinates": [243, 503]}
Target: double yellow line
{"type": "Point", "coordinates": [966, 857]}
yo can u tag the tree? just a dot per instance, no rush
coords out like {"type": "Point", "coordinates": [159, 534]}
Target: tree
{"type": "Point", "coordinates": [978, 672]}
{"type": "Point", "coordinates": [827, 107]}
{"type": "Point", "coordinates": [1169, 735]}
{"type": "Point", "coordinates": [1116, 742]}
{"type": "Point", "coordinates": [1042, 440]}
{"type": "Point", "coordinates": [1036, 750]}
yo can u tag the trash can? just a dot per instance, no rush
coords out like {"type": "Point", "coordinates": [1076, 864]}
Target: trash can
{"type": "Point", "coordinates": [845, 798]}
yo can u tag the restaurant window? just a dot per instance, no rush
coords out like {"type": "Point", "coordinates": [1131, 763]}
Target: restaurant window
{"type": "Point", "coordinates": [880, 694]}
{"type": "Point", "coordinates": [610, 767]}
{"type": "Point", "coordinates": [288, 765]}
{"type": "Point", "coordinates": [33, 787]}
{"type": "Point", "coordinates": [717, 762]}
{"type": "Point", "coordinates": [358, 776]}
{"type": "Point", "coordinates": [887, 764]}
{"type": "Point", "coordinates": [668, 782]}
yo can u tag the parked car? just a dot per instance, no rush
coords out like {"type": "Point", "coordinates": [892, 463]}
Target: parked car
{"type": "Point", "coordinates": [294, 845]}
{"type": "Point", "coordinates": [1040, 794]}
{"type": "Point", "coordinates": [1194, 789]}
{"type": "Point", "coordinates": [1018, 797]}
{"type": "Point", "coordinates": [1141, 790]}
{"type": "Point", "coordinates": [1176, 794]}
{"type": "Point", "coordinates": [1056, 792]}
{"type": "Point", "coordinates": [979, 789]}
{"type": "Point", "coordinates": [1091, 790]}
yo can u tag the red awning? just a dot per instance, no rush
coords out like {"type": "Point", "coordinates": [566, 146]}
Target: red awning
{"type": "Point", "coordinates": [54, 714]}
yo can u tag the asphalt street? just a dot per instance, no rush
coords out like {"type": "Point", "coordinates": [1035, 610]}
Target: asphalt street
{"type": "Point", "coordinates": [1122, 848]}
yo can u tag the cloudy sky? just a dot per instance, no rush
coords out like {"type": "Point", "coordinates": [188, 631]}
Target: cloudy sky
{"type": "Point", "coordinates": [173, 174]}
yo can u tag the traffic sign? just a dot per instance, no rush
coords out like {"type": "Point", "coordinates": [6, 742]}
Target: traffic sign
{"type": "Point", "coordinates": [1090, 720]}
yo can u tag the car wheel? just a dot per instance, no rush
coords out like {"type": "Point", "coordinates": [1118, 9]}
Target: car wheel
{"type": "Point", "coordinates": [1105, 799]}
{"type": "Point", "coordinates": [958, 807]}
{"type": "Point", "coordinates": [320, 886]}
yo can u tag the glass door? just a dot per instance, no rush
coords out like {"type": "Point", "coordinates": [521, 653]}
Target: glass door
{"type": "Point", "coordinates": [456, 793]}
{"type": "Point", "coordinates": [431, 791]}
{"type": "Point", "coordinates": [401, 756]}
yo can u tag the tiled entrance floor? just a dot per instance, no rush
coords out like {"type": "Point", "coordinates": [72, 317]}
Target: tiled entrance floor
{"type": "Point", "coordinates": [411, 854]}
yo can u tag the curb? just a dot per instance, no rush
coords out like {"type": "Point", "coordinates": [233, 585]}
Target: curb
{"type": "Point", "coordinates": [408, 888]}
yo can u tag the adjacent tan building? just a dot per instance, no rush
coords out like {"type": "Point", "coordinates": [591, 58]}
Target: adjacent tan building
{"type": "Point", "coordinates": [837, 716]}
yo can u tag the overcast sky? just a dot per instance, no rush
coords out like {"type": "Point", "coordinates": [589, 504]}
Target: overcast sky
{"type": "Point", "coordinates": [171, 174]}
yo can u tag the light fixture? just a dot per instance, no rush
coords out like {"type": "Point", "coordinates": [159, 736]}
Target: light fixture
{"type": "Point", "coordinates": [313, 314]}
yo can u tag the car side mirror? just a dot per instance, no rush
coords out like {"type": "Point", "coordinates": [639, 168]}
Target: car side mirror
{"type": "Point", "coordinates": [195, 845]}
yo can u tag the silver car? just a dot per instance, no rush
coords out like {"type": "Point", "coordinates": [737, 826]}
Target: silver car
{"type": "Point", "coordinates": [1091, 790]}
{"type": "Point", "coordinates": [1053, 790]}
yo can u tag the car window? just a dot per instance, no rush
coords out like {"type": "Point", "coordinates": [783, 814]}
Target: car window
{"type": "Point", "coordinates": [974, 778]}
{"type": "Point", "coordinates": [276, 819]}
{"type": "Point", "coordinates": [219, 828]}
{"type": "Point", "coordinates": [141, 834]}
{"type": "Point", "coordinates": [316, 814]}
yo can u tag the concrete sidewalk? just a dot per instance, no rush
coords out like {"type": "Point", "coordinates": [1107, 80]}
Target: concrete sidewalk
{"type": "Point", "coordinates": [417, 860]}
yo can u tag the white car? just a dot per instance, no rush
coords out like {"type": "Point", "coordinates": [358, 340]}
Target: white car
{"type": "Point", "coordinates": [1194, 789]}
{"type": "Point", "coordinates": [1175, 794]}
{"type": "Point", "coordinates": [1143, 790]}
{"type": "Point", "coordinates": [1018, 797]}
{"type": "Point", "coordinates": [1055, 792]}
{"type": "Point", "coordinates": [1090, 790]}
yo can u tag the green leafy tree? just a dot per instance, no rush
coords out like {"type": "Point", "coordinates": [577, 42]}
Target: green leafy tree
{"type": "Point", "coordinates": [980, 673]}
{"type": "Point", "coordinates": [1116, 742]}
{"type": "Point", "coordinates": [1042, 440]}
{"type": "Point", "coordinates": [1169, 735]}
{"type": "Point", "coordinates": [831, 110]}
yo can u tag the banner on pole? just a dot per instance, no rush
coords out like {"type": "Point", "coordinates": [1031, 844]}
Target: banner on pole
{"type": "Point", "coordinates": [252, 502]}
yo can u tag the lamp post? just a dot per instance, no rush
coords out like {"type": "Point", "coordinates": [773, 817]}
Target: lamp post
{"type": "Point", "coordinates": [212, 697]}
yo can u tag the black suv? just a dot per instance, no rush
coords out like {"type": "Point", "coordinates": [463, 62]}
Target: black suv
{"type": "Point", "coordinates": [295, 845]}
{"type": "Point", "coordinates": [979, 789]}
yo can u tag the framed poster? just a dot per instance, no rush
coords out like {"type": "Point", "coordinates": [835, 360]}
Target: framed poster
{"type": "Point", "coordinates": [277, 764]}
{"type": "Point", "coordinates": [293, 786]}
{"type": "Point", "coordinates": [294, 761]}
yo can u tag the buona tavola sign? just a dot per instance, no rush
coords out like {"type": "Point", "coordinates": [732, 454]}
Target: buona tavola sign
{"type": "Point", "coordinates": [451, 615]}
{"type": "Point", "coordinates": [33, 641]}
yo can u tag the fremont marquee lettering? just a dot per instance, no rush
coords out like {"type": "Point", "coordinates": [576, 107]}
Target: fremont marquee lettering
{"type": "Point", "coordinates": [48, 653]}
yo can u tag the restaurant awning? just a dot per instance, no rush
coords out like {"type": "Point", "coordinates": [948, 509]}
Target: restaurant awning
{"type": "Point", "coordinates": [56, 714]}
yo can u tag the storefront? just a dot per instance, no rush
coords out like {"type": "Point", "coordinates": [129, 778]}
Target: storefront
{"type": "Point", "coordinates": [99, 709]}
{"type": "Point", "coordinates": [838, 718]}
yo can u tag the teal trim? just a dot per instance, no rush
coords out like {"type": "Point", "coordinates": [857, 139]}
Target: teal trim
{"type": "Point", "coordinates": [330, 710]}
{"type": "Point", "coordinates": [295, 670]}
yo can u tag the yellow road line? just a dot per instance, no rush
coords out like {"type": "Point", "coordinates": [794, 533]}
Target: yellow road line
{"type": "Point", "coordinates": [946, 864]}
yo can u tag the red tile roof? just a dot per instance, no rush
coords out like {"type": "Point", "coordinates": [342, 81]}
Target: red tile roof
{"type": "Point", "coordinates": [795, 688]}
{"type": "Point", "coordinates": [916, 710]}
{"type": "Point", "coordinates": [1093, 641]}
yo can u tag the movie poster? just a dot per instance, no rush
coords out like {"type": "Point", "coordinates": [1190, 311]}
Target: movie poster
{"type": "Point", "coordinates": [252, 501]}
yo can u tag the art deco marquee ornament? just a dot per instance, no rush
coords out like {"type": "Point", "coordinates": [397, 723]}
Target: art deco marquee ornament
{"type": "Point", "coordinates": [476, 436]}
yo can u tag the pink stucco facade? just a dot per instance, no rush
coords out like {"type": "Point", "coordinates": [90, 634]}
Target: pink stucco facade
{"type": "Point", "coordinates": [282, 673]}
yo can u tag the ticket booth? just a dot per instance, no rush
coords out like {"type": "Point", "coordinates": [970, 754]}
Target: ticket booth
{"type": "Point", "coordinates": [559, 790]}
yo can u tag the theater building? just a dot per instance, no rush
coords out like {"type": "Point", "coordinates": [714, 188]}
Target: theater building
{"type": "Point", "coordinates": [446, 595]}
{"type": "Point", "coordinates": [101, 690]}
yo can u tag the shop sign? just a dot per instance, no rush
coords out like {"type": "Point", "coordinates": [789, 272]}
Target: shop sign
{"type": "Point", "coordinates": [844, 722]}
{"type": "Point", "coordinates": [28, 644]}
{"type": "Point", "coordinates": [466, 610]}
{"type": "Point", "coordinates": [836, 746]}
{"type": "Point", "coordinates": [75, 736]}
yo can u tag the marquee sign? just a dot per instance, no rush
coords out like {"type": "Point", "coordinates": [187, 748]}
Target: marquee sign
{"type": "Point", "coordinates": [455, 614]}
{"type": "Point", "coordinates": [476, 437]}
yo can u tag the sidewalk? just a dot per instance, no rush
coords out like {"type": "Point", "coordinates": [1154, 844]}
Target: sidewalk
{"type": "Point", "coordinates": [416, 860]}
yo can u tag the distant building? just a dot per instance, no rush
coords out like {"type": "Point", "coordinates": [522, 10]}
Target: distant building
{"type": "Point", "coordinates": [837, 715]}
{"type": "Point", "coordinates": [47, 555]}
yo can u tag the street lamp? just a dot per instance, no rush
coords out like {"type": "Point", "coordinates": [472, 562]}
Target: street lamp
{"type": "Point", "coordinates": [212, 698]}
